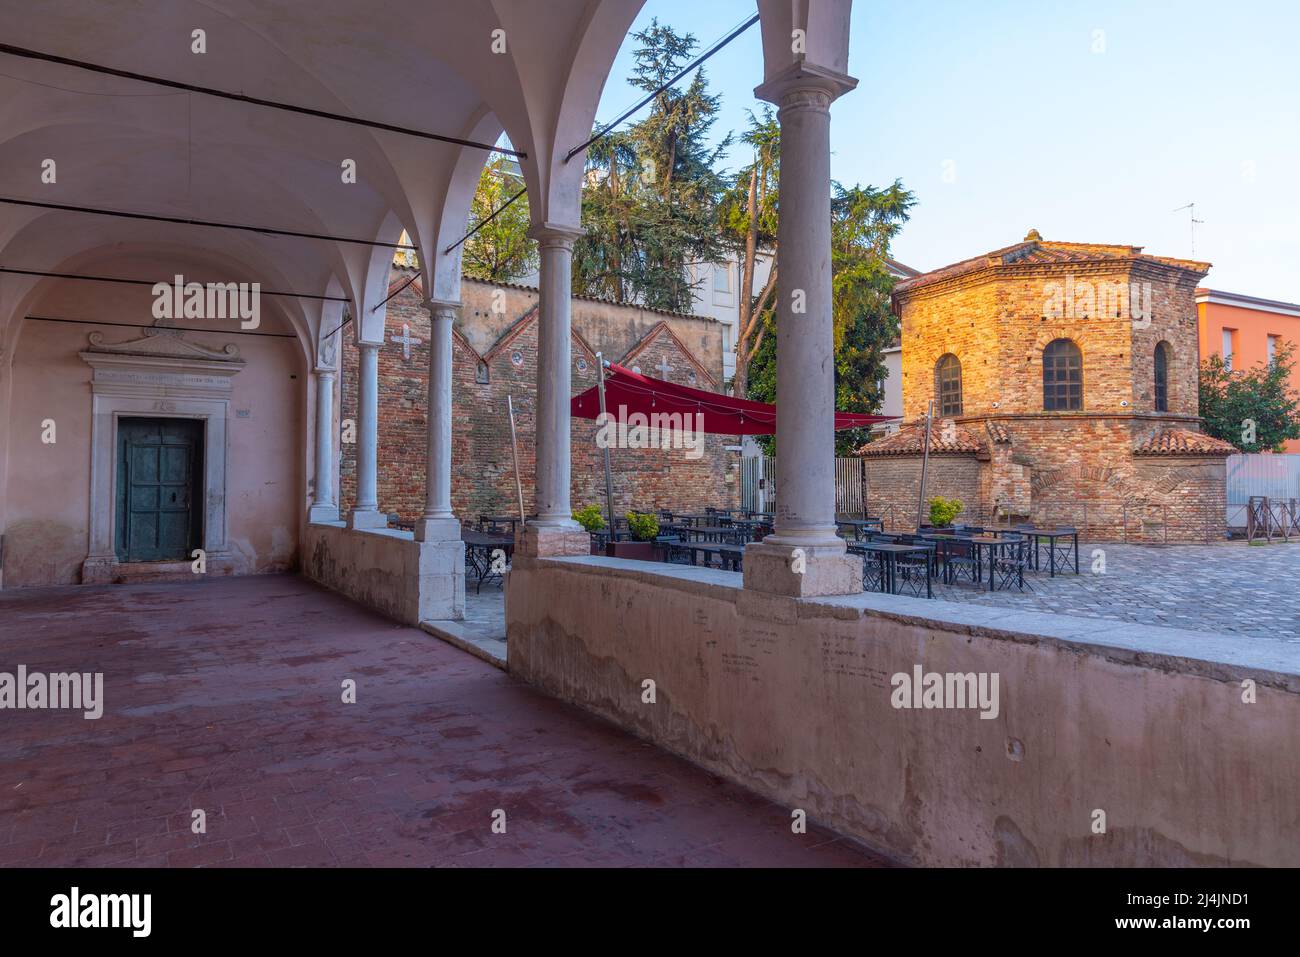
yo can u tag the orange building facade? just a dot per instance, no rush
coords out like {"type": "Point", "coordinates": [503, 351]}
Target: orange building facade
{"type": "Point", "coordinates": [1246, 330]}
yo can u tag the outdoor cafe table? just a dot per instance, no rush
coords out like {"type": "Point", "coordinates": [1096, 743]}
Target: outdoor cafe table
{"type": "Point", "coordinates": [511, 520]}
{"type": "Point", "coordinates": [696, 518]}
{"type": "Point", "coordinates": [479, 549]}
{"type": "Point", "coordinates": [860, 525]}
{"type": "Point", "coordinates": [755, 527]}
{"type": "Point", "coordinates": [887, 554]}
{"type": "Point", "coordinates": [730, 556]}
{"type": "Point", "coordinates": [1065, 548]}
{"type": "Point", "coordinates": [981, 543]}
{"type": "Point", "coordinates": [706, 533]}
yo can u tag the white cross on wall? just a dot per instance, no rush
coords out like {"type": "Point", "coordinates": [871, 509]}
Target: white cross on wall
{"type": "Point", "coordinates": [664, 368]}
{"type": "Point", "coordinates": [407, 340]}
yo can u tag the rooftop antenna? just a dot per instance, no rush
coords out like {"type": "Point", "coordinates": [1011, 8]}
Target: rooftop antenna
{"type": "Point", "coordinates": [1191, 208]}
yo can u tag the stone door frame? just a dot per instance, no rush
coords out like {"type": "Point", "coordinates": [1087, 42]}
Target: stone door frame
{"type": "Point", "coordinates": [160, 376]}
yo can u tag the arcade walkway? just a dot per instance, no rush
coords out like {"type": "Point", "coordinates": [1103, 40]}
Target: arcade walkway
{"type": "Point", "coordinates": [225, 695]}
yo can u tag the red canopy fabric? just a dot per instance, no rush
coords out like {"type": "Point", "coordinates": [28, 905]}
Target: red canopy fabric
{"type": "Point", "coordinates": [723, 414]}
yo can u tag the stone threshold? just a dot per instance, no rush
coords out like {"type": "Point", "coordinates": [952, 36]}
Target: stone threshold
{"type": "Point", "coordinates": [1214, 655]}
{"type": "Point", "coordinates": [491, 650]}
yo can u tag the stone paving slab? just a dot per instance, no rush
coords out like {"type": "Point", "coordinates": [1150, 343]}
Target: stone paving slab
{"type": "Point", "coordinates": [1233, 588]}
{"type": "Point", "coordinates": [225, 695]}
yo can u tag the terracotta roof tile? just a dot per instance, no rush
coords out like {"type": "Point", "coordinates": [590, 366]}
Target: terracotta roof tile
{"type": "Point", "coordinates": [998, 433]}
{"type": "Point", "coordinates": [910, 439]}
{"type": "Point", "coordinates": [1182, 442]}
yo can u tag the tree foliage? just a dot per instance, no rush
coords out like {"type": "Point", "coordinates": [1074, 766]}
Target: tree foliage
{"type": "Point", "coordinates": [501, 250]}
{"type": "Point", "coordinates": [748, 217]}
{"type": "Point", "coordinates": [864, 221]}
{"type": "Point", "coordinates": [1257, 402]}
{"type": "Point", "coordinates": [650, 206]}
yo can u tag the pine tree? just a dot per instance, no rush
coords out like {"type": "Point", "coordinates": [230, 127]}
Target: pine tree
{"type": "Point", "coordinates": [650, 206]}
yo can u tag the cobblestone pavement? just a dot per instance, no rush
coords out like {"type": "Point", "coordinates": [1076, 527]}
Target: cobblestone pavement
{"type": "Point", "coordinates": [224, 696]}
{"type": "Point", "coordinates": [1233, 588]}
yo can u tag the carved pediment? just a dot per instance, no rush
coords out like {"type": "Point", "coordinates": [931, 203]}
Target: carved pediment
{"type": "Point", "coordinates": [164, 343]}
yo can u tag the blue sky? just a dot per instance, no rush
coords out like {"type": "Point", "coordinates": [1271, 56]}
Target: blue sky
{"type": "Point", "coordinates": [1040, 121]}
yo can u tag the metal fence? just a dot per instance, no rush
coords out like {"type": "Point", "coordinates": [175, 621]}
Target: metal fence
{"type": "Point", "coordinates": [1261, 476]}
{"type": "Point", "coordinates": [758, 484]}
{"type": "Point", "coordinates": [850, 487]}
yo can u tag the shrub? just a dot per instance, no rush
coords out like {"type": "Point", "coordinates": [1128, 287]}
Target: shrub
{"type": "Point", "coordinates": [643, 527]}
{"type": "Point", "coordinates": [590, 518]}
{"type": "Point", "coordinates": [944, 510]}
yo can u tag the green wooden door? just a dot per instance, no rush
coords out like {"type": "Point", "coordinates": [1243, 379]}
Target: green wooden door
{"type": "Point", "coordinates": [159, 489]}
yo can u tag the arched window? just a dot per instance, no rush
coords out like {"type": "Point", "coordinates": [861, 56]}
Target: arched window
{"type": "Point", "coordinates": [1162, 377]}
{"type": "Point", "coordinates": [1062, 377]}
{"type": "Point", "coordinates": [947, 384]}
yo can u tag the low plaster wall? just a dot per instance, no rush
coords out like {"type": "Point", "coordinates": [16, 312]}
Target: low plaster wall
{"type": "Point", "coordinates": [387, 570]}
{"type": "Point", "coordinates": [792, 698]}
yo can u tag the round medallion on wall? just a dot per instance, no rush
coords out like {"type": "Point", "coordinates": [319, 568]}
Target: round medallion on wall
{"type": "Point", "coordinates": [582, 364]}
{"type": "Point", "coordinates": [517, 357]}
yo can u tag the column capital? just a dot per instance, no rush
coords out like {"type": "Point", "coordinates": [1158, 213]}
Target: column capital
{"type": "Point", "coordinates": [442, 308]}
{"type": "Point", "coordinates": [365, 346]}
{"type": "Point", "coordinates": [555, 234]}
{"type": "Point", "coordinates": [325, 373]}
{"type": "Point", "coordinates": [804, 85]}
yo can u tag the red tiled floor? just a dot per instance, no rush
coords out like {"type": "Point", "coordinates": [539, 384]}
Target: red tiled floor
{"type": "Point", "coordinates": [225, 695]}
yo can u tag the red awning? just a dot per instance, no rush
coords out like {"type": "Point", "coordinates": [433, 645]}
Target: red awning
{"type": "Point", "coordinates": [723, 414]}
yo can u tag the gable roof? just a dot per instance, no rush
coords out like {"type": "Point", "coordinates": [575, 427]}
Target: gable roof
{"type": "Point", "coordinates": [645, 341]}
{"type": "Point", "coordinates": [521, 325]}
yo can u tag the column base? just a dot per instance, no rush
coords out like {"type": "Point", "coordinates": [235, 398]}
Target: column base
{"type": "Point", "coordinates": [367, 518]}
{"type": "Point", "coordinates": [323, 513]}
{"type": "Point", "coordinates": [552, 541]}
{"type": "Point", "coordinates": [802, 571]}
{"type": "Point", "coordinates": [437, 530]}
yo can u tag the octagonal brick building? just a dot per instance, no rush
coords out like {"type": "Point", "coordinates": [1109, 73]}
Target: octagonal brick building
{"type": "Point", "coordinates": [1064, 383]}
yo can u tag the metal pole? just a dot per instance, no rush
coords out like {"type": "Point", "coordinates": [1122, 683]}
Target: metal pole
{"type": "Point", "coordinates": [514, 448]}
{"type": "Point", "coordinates": [609, 484]}
{"type": "Point", "coordinates": [925, 464]}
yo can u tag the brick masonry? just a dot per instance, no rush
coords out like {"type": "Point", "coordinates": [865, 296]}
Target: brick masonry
{"type": "Point", "coordinates": [495, 339]}
{"type": "Point", "coordinates": [996, 314]}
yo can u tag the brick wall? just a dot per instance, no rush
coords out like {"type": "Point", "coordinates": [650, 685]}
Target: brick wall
{"type": "Point", "coordinates": [1076, 468]}
{"type": "Point", "coordinates": [894, 481]}
{"type": "Point", "coordinates": [497, 334]}
{"type": "Point", "coordinates": [995, 326]}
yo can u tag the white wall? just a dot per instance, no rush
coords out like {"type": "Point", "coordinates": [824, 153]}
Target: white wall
{"type": "Point", "coordinates": [48, 485]}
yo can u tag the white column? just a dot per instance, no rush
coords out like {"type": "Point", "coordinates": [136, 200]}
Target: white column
{"type": "Point", "coordinates": [324, 507]}
{"type": "Point", "coordinates": [554, 376]}
{"type": "Point", "coordinates": [439, 523]}
{"type": "Point", "coordinates": [804, 557]}
{"type": "Point", "coordinates": [805, 367]}
{"type": "Point", "coordinates": [366, 512]}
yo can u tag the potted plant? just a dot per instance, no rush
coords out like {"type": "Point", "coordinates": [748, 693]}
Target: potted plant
{"type": "Point", "coordinates": [644, 529]}
{"type": "Point", "coordinates": [944, 510]}
{"type": "Point", "coordinates": [591, 521]}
